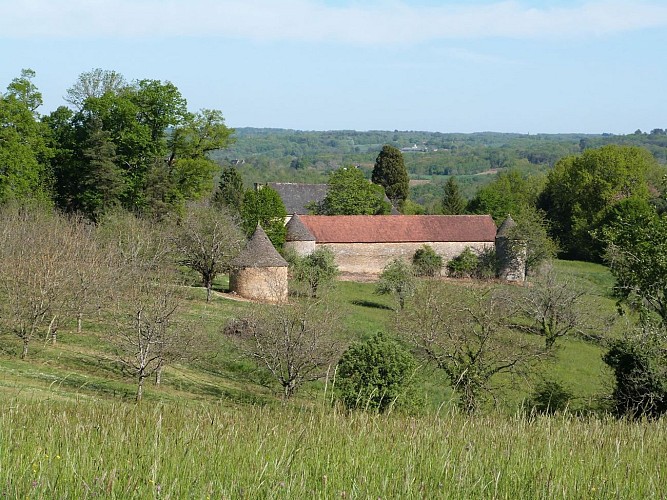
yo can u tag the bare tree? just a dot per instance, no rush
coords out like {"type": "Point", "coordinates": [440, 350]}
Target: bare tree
{"type": "Point", "coordinates": [94, 83]}
{"type": "Point", "coordinates": [550, 307]}
{"type": "Point", "coordinates": [44, 264]}
{"type": "Point", "coordinates": [148, 332]}
{"type": "Point", "coordinates": [206, 240]}
{"type": "Point", "coordinates": [296, 343]}
{"type": "Point", "coordinates": [462, 331]}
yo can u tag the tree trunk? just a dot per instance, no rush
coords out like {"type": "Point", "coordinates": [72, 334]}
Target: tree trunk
{"type": "Point", "coordinates": [208, 283]}
{"type": "Point", "coordinates": [53, 331]}
{"type": "Point", "coordinates": [79, 321]}
{"type": "Point", "coordinates": [158, 375]}
{"type": "Point", "coordinates": [140, 387]}
{"type": "Point", "coordinates": [24, 353]}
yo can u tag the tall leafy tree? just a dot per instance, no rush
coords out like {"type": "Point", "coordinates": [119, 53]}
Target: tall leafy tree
{"type": "Point", "coordinates": [264, 207]}
{"type": "Point", "coordinates": [453, 202]}
{"type": "Point", "coordinates": [24, 151]}
{"type": "Point", "coordinates": [507, 194]}
{"type": "Point", "coordinates": [350, 193]}
{"type": "Point", "coordinates": [580, 190]}
{"type": "Point", "coordinates": [390, 173]}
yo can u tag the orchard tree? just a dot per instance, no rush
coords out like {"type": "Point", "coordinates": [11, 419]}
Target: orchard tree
{"type": "Point", "coordinates": [398, 279]}
{"type": "Point", "coordinates": [315, 271]}
{"type": "Point", "coordinates": [462, 331]}
{"type": "Point", "coordinates": [296, 343]}
{"type": "Point", "coordinates": [390, 173]}
{"type": "Point", "coordinates": [206, 240]}
{"type": "Point", "coordinates": [552, 307]}
{"type": "Point", "coordinates": [350, 193]}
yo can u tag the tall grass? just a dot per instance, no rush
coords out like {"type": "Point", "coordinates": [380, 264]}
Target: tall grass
{"type": "Point", "coordinates": [92, 449]}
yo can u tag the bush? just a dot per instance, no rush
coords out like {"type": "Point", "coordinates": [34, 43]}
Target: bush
{"type": "Point", "coordinates": [426, 262]}
{"type": "Point", "coordinates": [463, 265]}
{"type": "Point", "coordinates": [397, 278]}
{"type": "Point", "coordinates": [487, 264]}
{"type": "Point", "coordinates": [640, 370]}
{"type": "Point", "coordinates": [375, 375]}
{"type": "Point", "coordinates": [549, 397]}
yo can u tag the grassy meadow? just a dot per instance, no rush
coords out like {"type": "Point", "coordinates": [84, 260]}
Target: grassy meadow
{"type": "Point", "coordinates": [217, 428]}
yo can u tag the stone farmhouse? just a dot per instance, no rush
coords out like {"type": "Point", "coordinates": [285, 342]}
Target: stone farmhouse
{"type": "Point", "coordinates": [367, 243]}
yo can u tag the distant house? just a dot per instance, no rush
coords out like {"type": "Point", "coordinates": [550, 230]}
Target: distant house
{"type": "Point", "coordinates": [367, 243]}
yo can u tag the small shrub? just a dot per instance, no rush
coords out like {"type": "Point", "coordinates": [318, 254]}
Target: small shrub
{"type": "Point", "coordinates": [487, 264]}
{"type": "Point", "coordinates": [549, 397]}
{"type": "Point", "coordinates": [375, 375]}
{"type": "Point", "coordinates": [427, 262]}
{"type": "Point", "coordinates": [463, 265]}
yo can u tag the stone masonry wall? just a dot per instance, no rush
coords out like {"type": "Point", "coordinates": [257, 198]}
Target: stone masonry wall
{"type": "Point", "coordinates": [268, 284]}
{"type": "Point", "coordinates": [373, 257]}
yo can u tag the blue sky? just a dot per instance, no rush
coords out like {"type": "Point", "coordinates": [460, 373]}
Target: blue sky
{"type": "Point", "coordinates": [552, 66]}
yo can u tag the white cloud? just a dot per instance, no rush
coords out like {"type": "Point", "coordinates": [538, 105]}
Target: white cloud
{"type": "Point", "coordinates": [379, 22]}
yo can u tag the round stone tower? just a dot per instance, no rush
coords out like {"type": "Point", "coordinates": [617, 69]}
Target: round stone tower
{"type": "Point", "coordinates": [259, 272]}
{"type": "Point", "coordinates": [299, 238]}
{"type": "Point", "coordinates": [510, 252]}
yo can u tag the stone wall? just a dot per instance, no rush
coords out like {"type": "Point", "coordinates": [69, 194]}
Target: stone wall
{"type": "Point", "coordinates": [267, 284]}
{"type": "Point", "coordinates": [301, 248]}
{"type": "Point", "coordinates": [373, 257]}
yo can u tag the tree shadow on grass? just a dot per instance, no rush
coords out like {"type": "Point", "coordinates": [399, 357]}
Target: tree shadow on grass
{"type": "Point", "coordinates": [368, 303]}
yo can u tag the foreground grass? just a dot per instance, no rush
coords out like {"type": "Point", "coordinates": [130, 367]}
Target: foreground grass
{"type": "Point", "coordinates": [90, 449]}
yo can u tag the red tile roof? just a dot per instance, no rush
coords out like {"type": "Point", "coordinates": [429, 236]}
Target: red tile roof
{"type": "Point", "coordinates": [400, 228]}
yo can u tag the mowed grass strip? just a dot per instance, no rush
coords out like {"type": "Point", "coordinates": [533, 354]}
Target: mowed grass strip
{"type": "Point", "coordinates": [89, 449]}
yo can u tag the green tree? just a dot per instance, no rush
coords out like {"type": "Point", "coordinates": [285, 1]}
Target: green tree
{"type": "Point", "coordinates": [102, 181]}
{"type": "Point", "coordinates": [637, 257]}
{"type": "Point", "coordinates": [390, 173]}
{"type": "Point", "coordinates": [230, 190]}
{"type": "Point", "coordinates": [375, 374]}
{"type": "Point", "coordinates": [398, 279]}
{"type": "Point", "coordinates": [452, 201]}
{"type": "Point", "coordinates": [580, 190]}
{"type": "Point", "coordinates": [315, 271]}
{"type": "Point", "coordinates": [24, 151]}
{"type": "Point", "coordinates": [508, 194]}
{"type": "Point", "coordinates": [350, 193]}
{"type": "Point", "coordinates": [265, 207]}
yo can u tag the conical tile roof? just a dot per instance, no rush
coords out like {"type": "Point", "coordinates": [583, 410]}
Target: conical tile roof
{"type": "Point", "coordinates": [504, 229]}
{"type": "Point", "coordinates": [297, 231]}
{"type": "Point", "coordinates": [259, 252]}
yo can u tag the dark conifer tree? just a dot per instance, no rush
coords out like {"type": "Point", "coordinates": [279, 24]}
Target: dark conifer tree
{"type": "Point", "coordinates": [390, 173]}
{"type": "Point", "coordinates": [452, 201]}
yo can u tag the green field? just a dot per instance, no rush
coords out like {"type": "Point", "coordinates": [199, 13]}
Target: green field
{"type": "Point", "coordinates": [216, 427]}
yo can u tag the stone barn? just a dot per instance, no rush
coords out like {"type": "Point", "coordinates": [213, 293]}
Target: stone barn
{"type": "Point", "coordinates": [259, 272]}
{"type": "Point", "coordinates": [367, 243]}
